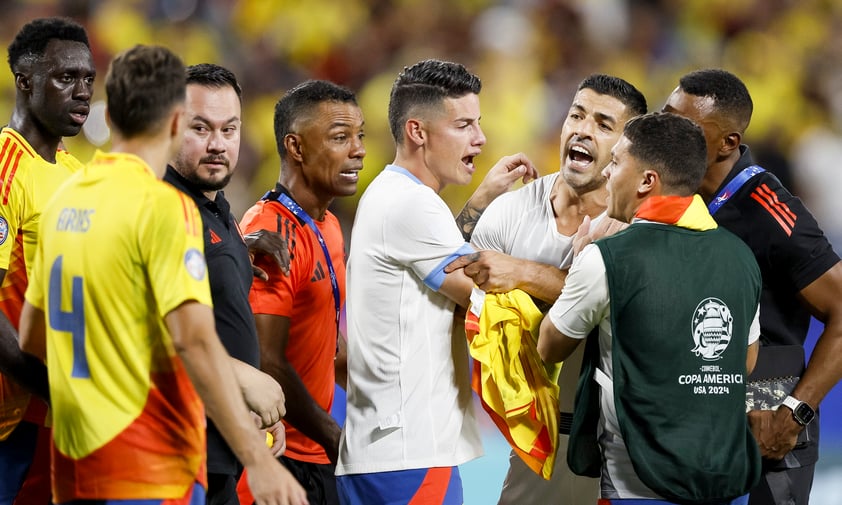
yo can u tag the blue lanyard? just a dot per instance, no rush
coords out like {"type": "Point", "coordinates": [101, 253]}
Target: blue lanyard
{"type": "Point", "coordinates": [301, 214]}
{"type": "Point", "coordinates": [732, 187]}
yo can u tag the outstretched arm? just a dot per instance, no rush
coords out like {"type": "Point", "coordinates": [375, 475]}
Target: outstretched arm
{"type": "Point", "coordinates": [499, 179]}
{"type": "Point", "coordinates": [496, 272]}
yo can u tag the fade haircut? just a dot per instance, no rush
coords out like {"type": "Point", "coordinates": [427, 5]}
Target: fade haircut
{"type": "Point", "coordinates": [32, 39]}
{"type": "Point", "coordinates": [302, 100]}
{"type": "Point", "coordinates": [142, 86]}
{"type": "Point", "coordinates": [618, 88]}
{"type": "Point", "coordinates": [673, 146]}
{"type": "Point", "coordinates": [425, 84]}
{"type": "Point", "coordinates": [730, 96]}
{"type": "Point", "coordinates": [213, 76]}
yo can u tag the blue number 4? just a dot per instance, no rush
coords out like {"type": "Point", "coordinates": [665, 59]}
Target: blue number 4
{"type": "Point", "coordinates": [72, 322]}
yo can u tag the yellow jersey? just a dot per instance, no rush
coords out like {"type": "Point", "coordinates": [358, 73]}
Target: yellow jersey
{"type": "Point", "coordinates": [119, 250]}
{"type": "Point", "coordinates": [27, 181]}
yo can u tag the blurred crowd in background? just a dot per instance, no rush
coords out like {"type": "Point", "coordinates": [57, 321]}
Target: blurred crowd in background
{"type": "Point", "coordinates": [530, 54]}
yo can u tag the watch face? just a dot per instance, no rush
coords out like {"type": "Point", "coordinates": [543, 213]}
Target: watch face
{"type": "Point", "coordinates": [804, 413]}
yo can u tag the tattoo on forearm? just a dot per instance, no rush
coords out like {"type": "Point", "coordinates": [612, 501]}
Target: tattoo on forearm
{"type": "Point", "coordinates": [467, 220]}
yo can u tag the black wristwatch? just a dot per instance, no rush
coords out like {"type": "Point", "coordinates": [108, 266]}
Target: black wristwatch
{"type": "Point", "coordinates": [801, 411]}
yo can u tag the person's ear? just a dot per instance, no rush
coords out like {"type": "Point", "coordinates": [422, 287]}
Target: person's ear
{"type": "Point", "coordinates": [730, 142]}
{"type": "Point", "coordinates": [177, 124]}
{"type": "Point", "coordinates": [292, 145]}
{"type": "Point", "coordinates": [23, 82]}
{"type": "Point", "coordinates": [649, 181]}
{"type": "Point", "coordinates": [414, 132]}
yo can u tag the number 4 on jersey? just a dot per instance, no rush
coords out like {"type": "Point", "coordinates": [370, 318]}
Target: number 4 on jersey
{"type": "Point", "coordinates": [72, 322]}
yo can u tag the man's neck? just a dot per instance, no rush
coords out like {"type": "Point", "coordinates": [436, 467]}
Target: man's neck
{"type": "Point", "coordinates": [414, 163]}
{"type": "Point", "coordinates": [313, 204]}
{"type": "Point", "coordinates": [716, 174]}
{"type": "Point", "coordinates": [146, 149]}
{"type": "Point", "coordinates": [571, 206]}
{"type": "Point", "coordinates": [43, 144]}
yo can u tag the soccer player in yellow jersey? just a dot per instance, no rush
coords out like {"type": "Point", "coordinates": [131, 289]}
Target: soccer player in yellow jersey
{"type": "Point", "coordinates": [119, 305]}
{"type": "Point", "coordinates": [54, 76]}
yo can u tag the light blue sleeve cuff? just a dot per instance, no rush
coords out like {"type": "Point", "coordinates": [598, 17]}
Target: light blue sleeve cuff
{"type": "Point", "coordinates": [435, 278]}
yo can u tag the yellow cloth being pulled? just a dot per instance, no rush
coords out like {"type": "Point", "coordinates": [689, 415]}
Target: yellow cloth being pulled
{"type": "Point", "coordinates": [516, 389]}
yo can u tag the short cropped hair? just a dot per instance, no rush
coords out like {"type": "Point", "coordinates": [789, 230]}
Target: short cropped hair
{"type": "Point", "coordinates": [427, 83]}
{"type": "Point", "coordinates": [142, 86]}
{"type": "Point", "coordinates": [671, 145]}
{"type": "Point", "coordinates": [32, 39]}
{"type": "Point", "coordinates": [301, 100]}
{"type": "Point", "coordinates": [730, 95]}
{"type": "Point", "coordinates": [213, 76]}
{"type": "Point", "coordinates": [618, 88]}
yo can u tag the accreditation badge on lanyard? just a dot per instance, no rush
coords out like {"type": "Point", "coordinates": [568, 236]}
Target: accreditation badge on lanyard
{"type": "Point", "coordinates": [732, 187]}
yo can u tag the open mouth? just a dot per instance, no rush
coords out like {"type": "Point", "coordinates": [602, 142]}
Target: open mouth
{"type": "Point", "coordinates": [579, 156]}
{"type": "Point", "coordinates": [469, 162]}
{"type": "Point", "coordinates": [79, 117]}
{"type": "Point", "coordinates": [350, 175]}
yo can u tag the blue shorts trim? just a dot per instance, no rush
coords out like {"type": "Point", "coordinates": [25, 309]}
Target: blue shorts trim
{"type": "Point", "coordinates": [401, 487]}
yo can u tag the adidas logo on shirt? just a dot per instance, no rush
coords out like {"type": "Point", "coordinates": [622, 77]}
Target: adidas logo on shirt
{"type": "Point", "coordinates": [318, 273]}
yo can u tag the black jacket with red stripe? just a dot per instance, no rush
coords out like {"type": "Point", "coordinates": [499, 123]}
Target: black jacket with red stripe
{"type": "Point", "coordinates": [788, 244]}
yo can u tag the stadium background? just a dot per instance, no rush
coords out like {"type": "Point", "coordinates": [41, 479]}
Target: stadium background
{"type": "Point", "coordinates": [530, 54]}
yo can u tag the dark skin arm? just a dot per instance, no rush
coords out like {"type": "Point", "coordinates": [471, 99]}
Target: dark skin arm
{"type": "Point", "coordinates": [26, 369]}
{"type": "Point", "coordinates": [776, 431]}
{"type": "Point", "coordinates": [269, 243]}
{"type": "Point", "coordinates": [302, 410]}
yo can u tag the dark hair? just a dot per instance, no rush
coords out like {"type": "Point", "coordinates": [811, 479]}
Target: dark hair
{"type": "Point", "coordinates": [671, 145]}
{"type": "Point", "coordinates": [731, 97]}
{"type": "Point", "coordinates": [301, 100]}
{"type": "Point", "coordinates": [32, 39]}
{"type": "Point", "coordinates": [213, 76]}
{"type": "Point", "coordinates": [142, 86]}
{"type": "Point", "coordinates": [427, 83]}
{"type": "Point", "coordinates": [618, 88]}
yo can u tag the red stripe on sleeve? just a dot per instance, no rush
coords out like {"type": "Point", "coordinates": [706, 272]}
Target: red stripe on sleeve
{"type": "Point", "coordinates": [4, 157]}
{"type": "Point", "coordinates": [783, 208]}
{"type": "Point", "coordinates": [6, 164]}
{"type": "Point", "coordinates": [774, 214]}
{"type": "Point", "coordinates": [8, 187]}
{"type": "Point", "coordinates": [21, 144]}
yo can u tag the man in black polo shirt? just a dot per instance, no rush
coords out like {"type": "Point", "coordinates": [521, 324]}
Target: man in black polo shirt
{"type": "Point", "coordinates": [203, 167]}
{"type": "Point", "coordinates": [802, 275]}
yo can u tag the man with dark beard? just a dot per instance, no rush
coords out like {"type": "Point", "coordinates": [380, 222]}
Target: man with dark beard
{"type": "Point", "coordinates": [201, 169]}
